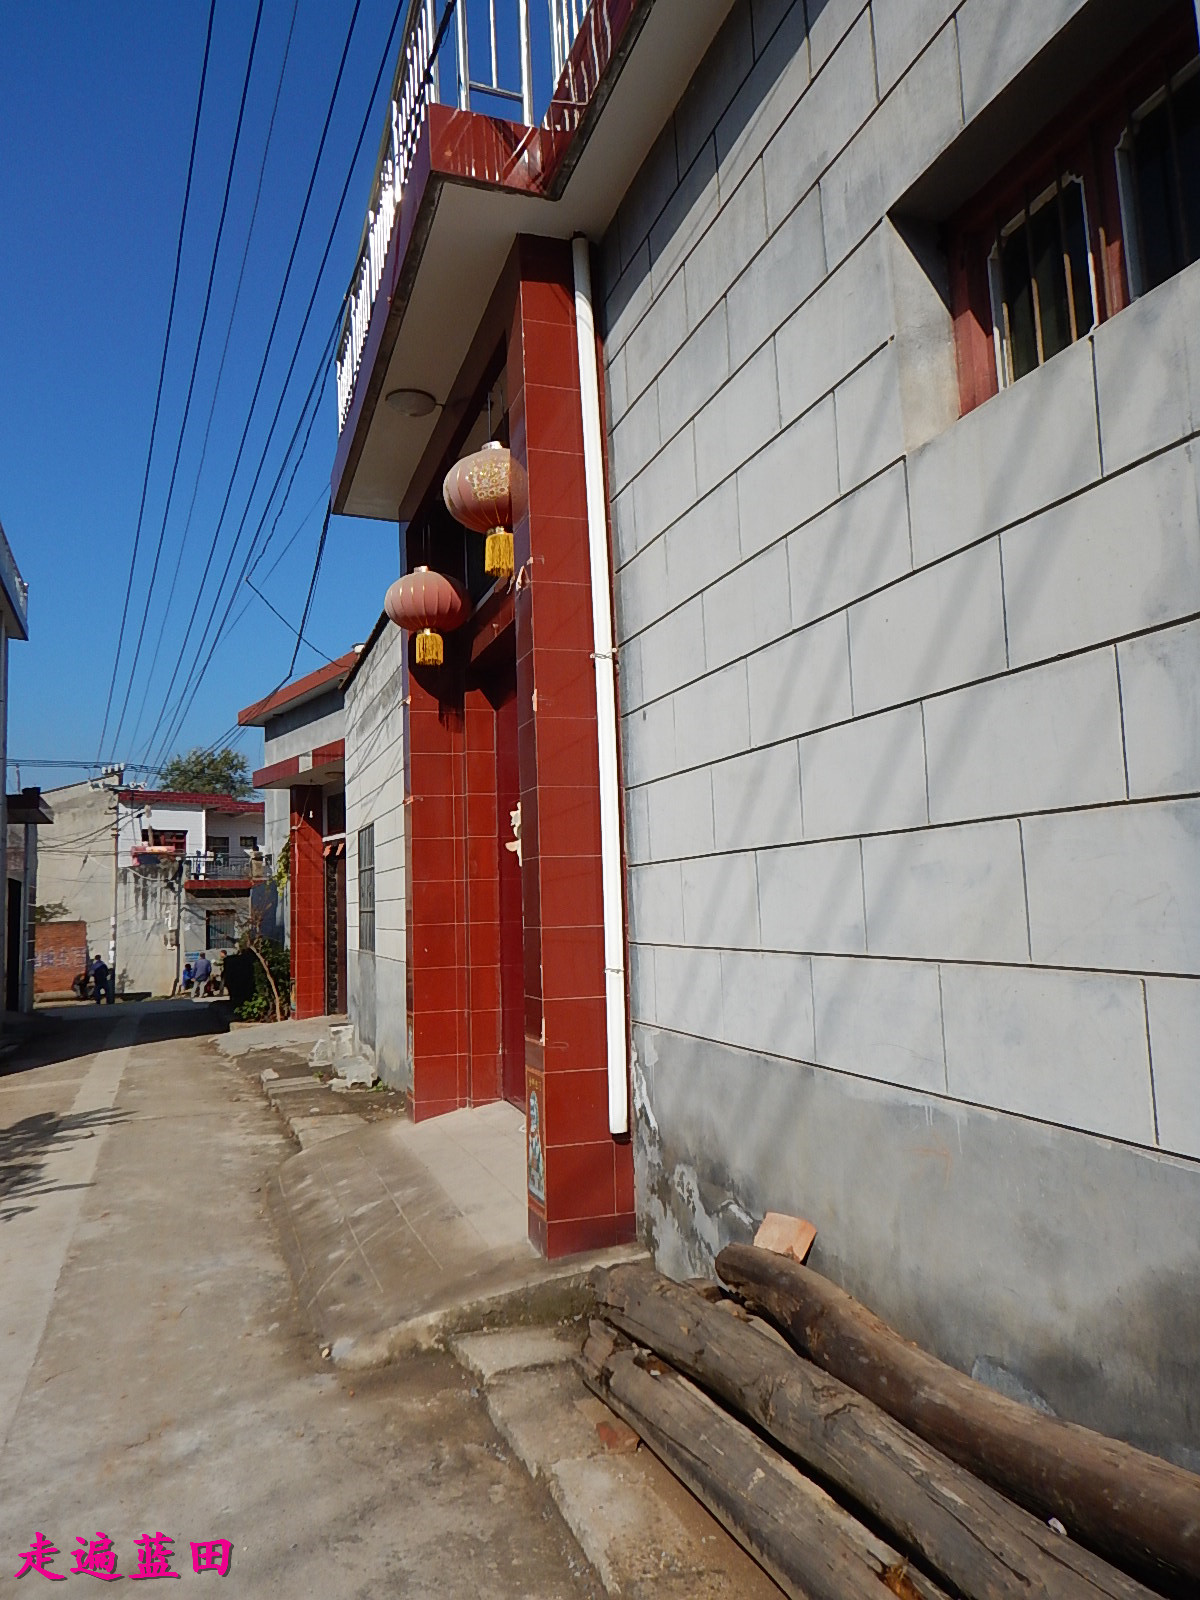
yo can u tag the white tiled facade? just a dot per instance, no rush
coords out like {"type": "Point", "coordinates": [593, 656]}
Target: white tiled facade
{"type": "Point", "coordinates": [910, 720]}
{"type": "Point", "coordinates": [375, 798]}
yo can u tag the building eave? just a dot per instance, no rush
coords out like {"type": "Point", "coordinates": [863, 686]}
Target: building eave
{"type": "Point", "coordinates": [323, 764]}
{"type": "Point", "coordinates": [478, 183]}
{"type": "Point", "coordinates": [297, 693]}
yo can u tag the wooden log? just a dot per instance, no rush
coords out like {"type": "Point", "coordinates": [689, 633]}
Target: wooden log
{"type": "Point", "coordinates": [972, 1538]}
{"type": "Point", "coordinates": [1140, 1511]}
{"type": "Point", "coordinates": [811, 1547]}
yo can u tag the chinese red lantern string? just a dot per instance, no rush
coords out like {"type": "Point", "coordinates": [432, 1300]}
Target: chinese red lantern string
{"type": "Point", "coordinates": [478, 493]}
{"type": "Point", "coordinates": [427, 604]}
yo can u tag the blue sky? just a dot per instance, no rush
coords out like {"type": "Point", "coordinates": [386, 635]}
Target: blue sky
{"type": "Point", "coordinates": [97, 104]}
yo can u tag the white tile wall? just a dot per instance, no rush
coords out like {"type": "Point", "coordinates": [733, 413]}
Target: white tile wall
{"type": "Point", "coordinates": [1060, 1046]}
{"type": "Point", "coordinates": [880, 1019]}
{"type": "Point", "coordinates": [1173, 1007]}
{"type": "Point", "coordinates": [947, 893]}
{"type": "Point", "coordinates": [906, 689]}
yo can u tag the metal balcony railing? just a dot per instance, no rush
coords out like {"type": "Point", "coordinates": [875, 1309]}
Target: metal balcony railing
{"type": "Point", "coordinates": [227, 868]}
{"type": "Point", "coordinates": [436, 46]}
{"type": "Point", "coordinates": [14, 583]}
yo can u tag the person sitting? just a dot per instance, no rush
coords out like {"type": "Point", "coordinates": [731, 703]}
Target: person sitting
{"type": "Point", "coordinates": [186, 977]}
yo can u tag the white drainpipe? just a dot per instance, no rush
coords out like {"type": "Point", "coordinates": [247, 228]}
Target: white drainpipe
{"type": "Point", "coordinates": [606, 697]}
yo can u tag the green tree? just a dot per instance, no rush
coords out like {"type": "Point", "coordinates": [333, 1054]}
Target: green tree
{"type": "Point", "coordinates": [222, 771]}
{"type": "Point", "coordinates": [56, 911]}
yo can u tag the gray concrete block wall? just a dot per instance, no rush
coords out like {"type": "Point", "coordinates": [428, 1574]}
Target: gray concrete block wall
{"type": "Point", "coordinates": [375, 796]}
{"type": "Point", "coordinates": [910, 718]}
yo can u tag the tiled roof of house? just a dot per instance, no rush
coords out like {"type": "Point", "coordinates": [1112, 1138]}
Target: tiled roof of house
{"type": "Point", "coordinates": [168, 798]}
{"type": "Point", "coordinates": [296, 692]}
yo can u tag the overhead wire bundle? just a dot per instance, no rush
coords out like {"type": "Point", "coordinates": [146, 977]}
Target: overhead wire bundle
{"type": "Point", "coordinates": [233, 559]}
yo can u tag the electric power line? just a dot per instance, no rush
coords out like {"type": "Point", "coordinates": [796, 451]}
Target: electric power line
{"type": "Point", "coordinates": [173, 718]}
{"type": "Point", "coordinates": [161, 375]}
{"type": "Point", "coordinates": [237, 728]}
{"type": "Point", "coordinates": [277, 613]}
{"type": "Point", "coordinates": [312, 588]}
{"type": "Point", "coordinates": [261, 373]}
{"type": "Point", "coordinates": [384, 60]}
{"type": "Point", "coordinates": [237, 295]}
{"type": "Point", "coordinates": [187, 408]}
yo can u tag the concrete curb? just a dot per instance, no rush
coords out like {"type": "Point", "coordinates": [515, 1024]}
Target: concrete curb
{"type": "Point", "coordinates": [546, 1303]}
{"type": "Point", "coordinates": [642, 1532]}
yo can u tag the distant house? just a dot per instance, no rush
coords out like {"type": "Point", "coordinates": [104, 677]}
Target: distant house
{"type": "Point", "coordinates": [187, 868]}
{"type": "Point", "coordinates": [304, 779]}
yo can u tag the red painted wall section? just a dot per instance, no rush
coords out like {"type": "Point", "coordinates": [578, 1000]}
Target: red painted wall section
{"type": "Point", "coordinates": [588, 1201]}
{"type": "Point", "coordinates": [483, 899]}
{"type": "Point", "coordinates": [437, 907]}
{"type": "Point", "coordinates": [307, 899]}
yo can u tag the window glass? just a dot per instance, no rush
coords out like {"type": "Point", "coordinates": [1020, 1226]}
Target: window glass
{"type": "Point", "coordinates": [249, 841]}
{"type": "Point", "coordinates": [1187, 133]}
{"type": "Point", "coordinates": [1041, 279]}
{"type": "Point", "coordinates": [1078, 254]}
{"type": "Point", "coordinates": [366, 887]}
{"type": "Point", "coordinates": [1162, 166]}
{"type": "Point", "coordinates": [218, 844]}
{"type": "Point", "coordinates": [220, 930]}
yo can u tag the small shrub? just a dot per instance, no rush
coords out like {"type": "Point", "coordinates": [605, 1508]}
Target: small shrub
{"type": "Point", "coordinates": [259, 1004]}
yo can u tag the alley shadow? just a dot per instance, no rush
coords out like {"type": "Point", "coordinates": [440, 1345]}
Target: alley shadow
{"type": "Point", "coordinates": [25, 1146]}
{"type": "Point", "coordinates": [55, 1034]}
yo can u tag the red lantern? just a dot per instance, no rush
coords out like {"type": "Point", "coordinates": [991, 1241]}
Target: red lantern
{"type": "Point", "coordinates": [478, 493]}
{"type": "Point", "coordinates": [423, 602]}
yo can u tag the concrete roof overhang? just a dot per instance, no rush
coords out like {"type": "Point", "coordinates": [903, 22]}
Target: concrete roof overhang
{"type": "Point", "coordinates": [320, 767]}
{"type": "Point", "coordinates": [476, 185]}
{"type": "Point", "coordinates": [28, 807]}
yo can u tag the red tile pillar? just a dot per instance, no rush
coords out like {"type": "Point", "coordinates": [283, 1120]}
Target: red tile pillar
{"type": "Point", "coordinates": [436, 901]}
{"type": "Point", "coordinates": [307, 898]}
{"type": "Point", "coordinates": [483, 900]}
{"type": "Point", "coordinates": [580, 1177]}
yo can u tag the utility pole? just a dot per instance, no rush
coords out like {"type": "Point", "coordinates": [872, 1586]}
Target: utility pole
{"type": "Point", "coordinates": [111, 781]}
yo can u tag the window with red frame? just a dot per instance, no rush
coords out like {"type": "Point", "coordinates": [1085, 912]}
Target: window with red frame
{"type": "Point", "coordinates": [1103, 206]}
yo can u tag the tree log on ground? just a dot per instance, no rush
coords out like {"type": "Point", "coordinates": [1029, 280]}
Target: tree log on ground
{"type": "Point", "coordinates": [1138, 1510]}
{"type": "Point", "coordinates": [811, 1547]}
{"type": "Point", "coordinates": [968, 1535]}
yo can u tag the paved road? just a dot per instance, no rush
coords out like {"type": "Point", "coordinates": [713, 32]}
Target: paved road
{"type": "Point", "coordinates": [154, 1376]}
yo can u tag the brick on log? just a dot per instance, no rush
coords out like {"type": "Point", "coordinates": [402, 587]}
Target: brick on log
{"type": "Point", "coordinates": [969, 1536]}
{"type": "Point", "coordinates": [1138, 1510]}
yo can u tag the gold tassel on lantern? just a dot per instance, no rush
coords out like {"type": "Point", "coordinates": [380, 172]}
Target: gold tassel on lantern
{"type": "Point", "coordinates": [429, 648]}
{"type": "Point", "coordinates": [498, 554]}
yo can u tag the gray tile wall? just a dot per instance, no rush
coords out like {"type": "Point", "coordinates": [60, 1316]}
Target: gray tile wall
{"type": "Point", "coordinates": [910, 715]}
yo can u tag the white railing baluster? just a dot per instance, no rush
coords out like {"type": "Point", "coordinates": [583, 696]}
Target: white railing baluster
{"type": "Point", "coordinates": [526, 62]}
{"type": "Point", "coordinates": [464, 57]}
{"type": "Point", "coordinates": [417, 83]}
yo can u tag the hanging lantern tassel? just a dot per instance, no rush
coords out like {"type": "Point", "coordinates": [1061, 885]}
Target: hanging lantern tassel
{"type": "Point", "coordinates": [426, 605]}
{"type": "Point", "coordinates": [498, 554]}
{"type": "Point", "coordinates": [478, 493]}
{"type": "Point", "coordinates": [430, 652]}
